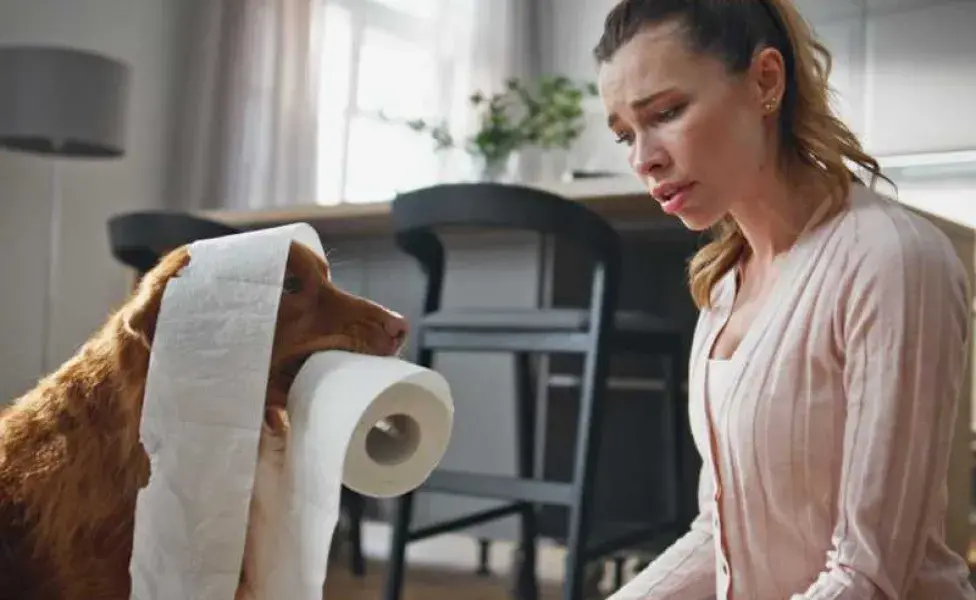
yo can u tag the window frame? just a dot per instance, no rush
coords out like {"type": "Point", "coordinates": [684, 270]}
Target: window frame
{"type": "Point", "coordinates": [370, 14]}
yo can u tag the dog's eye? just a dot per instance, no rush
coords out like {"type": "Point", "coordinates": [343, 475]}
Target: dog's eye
{"type": "Point", "coordinates": [292, 284]}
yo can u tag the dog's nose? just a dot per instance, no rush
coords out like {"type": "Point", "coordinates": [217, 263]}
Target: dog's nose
{"type": "Point", "coordinates": [395, 325]}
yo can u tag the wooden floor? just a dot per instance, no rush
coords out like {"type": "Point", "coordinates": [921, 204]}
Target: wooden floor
{"type": "Point", "coordinates": [420, 585]}
{"type": "Point", "coordinates": [425, 585]}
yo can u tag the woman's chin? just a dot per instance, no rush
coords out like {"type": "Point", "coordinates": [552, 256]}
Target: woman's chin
{"type": "Point", "coordinates": [697, 221]}
{"type": "Point", "coordinates": [699, 216]}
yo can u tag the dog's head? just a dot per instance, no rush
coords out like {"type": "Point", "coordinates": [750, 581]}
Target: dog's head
{"type": "Point", "coordinates": [313, 315]}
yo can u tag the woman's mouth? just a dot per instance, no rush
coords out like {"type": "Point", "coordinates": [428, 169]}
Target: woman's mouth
{"type": "Point", "coordinates": [674, 199]}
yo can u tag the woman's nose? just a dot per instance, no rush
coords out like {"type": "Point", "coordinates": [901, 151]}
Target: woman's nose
{"type": "Point", "coordinates": [648, 157]}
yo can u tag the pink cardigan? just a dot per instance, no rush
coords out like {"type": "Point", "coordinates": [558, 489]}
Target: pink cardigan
{"type": "Point", "coordinates": [828, 480]}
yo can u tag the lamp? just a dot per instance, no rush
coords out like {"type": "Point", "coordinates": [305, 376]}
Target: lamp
{"type": "Point", "coordinates": [64, 103]}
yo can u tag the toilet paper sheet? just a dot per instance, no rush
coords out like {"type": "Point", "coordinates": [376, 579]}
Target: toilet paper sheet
{"type": "Point", "coordinates": [201, 424]}
{"type": "Point", "coordinates": [202, 410]}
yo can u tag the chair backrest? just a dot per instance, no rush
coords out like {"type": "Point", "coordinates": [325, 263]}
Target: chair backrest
{"type": "Point", "coordinates": [504, 206]}
{"type": "Point", "coordinates": [140, 239]}
{"type": "Point", "coordinates": [418, 214]}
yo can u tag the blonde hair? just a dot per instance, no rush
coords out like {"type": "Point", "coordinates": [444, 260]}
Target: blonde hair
{"type": "Point", "coordinates": [810, 134]}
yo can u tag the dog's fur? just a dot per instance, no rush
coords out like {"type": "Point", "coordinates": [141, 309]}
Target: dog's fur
{"type": "Point", "coordinates": [71, 464]}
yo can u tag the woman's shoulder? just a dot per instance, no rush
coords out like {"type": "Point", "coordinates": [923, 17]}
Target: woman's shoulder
{"type": "Point", "coordinates": [881, 240]}
{"type": "Point", "coordinates": [878, 230]}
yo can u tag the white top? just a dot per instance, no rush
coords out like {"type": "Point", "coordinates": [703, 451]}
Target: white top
{"type": "Point", "coordinates": [825, 461]}
{"type": "Point", "coordinates": [718, 376]}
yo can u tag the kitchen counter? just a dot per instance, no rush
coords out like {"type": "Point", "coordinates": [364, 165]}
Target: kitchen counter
{"type": "Point", "coordinates": [622, 200]}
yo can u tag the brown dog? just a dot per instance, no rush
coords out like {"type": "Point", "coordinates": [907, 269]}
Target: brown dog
{"type": "Point", "coordinates": [71, 464]}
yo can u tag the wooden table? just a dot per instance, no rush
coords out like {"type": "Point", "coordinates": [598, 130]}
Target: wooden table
{"type": "Point", "coordinates": [622, 200]}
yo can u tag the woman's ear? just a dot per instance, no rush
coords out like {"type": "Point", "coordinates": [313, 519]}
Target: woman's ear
{"type": "Point", "coordinates": [768, 75]}
{"type": "Point", "coordinates": [140, 313]}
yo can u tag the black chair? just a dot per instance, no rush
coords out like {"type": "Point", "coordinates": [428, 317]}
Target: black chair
{"type": "Point", "coordinates": [140, 239]}
{"type": "Point", "coordinates": [593, 332]}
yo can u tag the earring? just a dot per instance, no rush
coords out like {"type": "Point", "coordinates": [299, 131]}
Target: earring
{"type": "Point", "coordinates": [770, 106]}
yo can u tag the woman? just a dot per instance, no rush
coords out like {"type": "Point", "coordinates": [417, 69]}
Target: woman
{"type": "Point", "coordinates": [831, 345]}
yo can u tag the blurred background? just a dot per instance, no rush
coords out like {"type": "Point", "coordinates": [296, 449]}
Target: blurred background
{"type": "Point", "coordinates": [263, 105]}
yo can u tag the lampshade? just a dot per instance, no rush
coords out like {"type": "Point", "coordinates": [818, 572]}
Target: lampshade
{"type": "Point", "coordinates": [62, 101]}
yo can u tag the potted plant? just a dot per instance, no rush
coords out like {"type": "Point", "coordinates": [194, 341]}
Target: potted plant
{"type": "Point", "coordinates": [548, 115]}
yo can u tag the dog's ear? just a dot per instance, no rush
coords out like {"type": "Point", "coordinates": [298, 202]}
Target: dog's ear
{"type": "Point", "coordinates": [141, 311]}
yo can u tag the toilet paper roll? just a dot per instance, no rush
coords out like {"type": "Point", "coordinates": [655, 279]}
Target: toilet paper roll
{"type": "Point", "coordinates": [378, 425]}
{"type": "Point", "coordinates": [202, 413]}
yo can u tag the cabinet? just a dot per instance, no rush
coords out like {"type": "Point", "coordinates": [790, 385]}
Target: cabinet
{"type": "Point", "coordinates": [903, 71]}
{"type": "Point", "coordinates": [920, 79]}
{"type": "Point", "coordinates": [844, 38]}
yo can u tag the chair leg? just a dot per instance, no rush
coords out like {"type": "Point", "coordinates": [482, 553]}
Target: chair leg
{"type": "Point", "coordinates": [673, 436]}
{"type": "Point", "coordinates": [574, 580]}
{"type": "Point", "coordinates": [357, 505]}
{"type": "Point", "coordinates": [484, 557]}
{"type": "Point", "coordinates": [403, 512]}
{"type": "Point", "coordinates": [527, 586]}
{"type": "Point", "coordinates": [587, 451]}
{"type": "Point", "coordinates": [686, 472]}
{"type": "Point", "coordinates": [398, 547]}
{"type": "Point", "coordinates": [618, 571]}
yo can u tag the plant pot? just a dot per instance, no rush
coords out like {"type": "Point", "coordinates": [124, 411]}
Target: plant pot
{"type": "Point", "coordinates": [554, 165]}
{"type": "Point", "coordinates": [500, 170]}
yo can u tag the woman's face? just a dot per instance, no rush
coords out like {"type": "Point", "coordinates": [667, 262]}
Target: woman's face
{"type": "Point", "coordinates": [696, 134]}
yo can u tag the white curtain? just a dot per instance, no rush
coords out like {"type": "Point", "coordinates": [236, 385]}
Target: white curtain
{"type": "Point", "coordinates": [249, 113]}
{"type": "Point", "coordinates": [493, 40]}
{"type": "Point", "coordinates": [246, 136]}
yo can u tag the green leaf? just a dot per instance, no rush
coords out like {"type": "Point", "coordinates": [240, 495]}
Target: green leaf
{"type": "Point", "coordinates": [547, 114]}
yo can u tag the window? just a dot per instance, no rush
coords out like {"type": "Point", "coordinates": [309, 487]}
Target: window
{"type": "Point", "coordinates": [379, 57]}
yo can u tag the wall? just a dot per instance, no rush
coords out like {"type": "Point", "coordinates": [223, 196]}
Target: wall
{"type": "Point", "coordinates": [568, 32]}
{"type": "Point", "coordinates": [903, 71]}
{"type": "Point", "coordinates": [146, 34]}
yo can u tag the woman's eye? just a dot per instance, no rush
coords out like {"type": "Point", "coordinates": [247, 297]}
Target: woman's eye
{"type": "Point", "coordinates": [671, 113]}
{"type": "Point", "coordinates": [623, 138]}
{"type": "Point", "coordinates": [292, 284]}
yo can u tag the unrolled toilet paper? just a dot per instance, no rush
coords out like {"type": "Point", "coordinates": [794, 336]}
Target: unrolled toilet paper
{"type": "Point", "coordinates": [378, 425]}
{"type": "Point", "coordinates": [201, 423]}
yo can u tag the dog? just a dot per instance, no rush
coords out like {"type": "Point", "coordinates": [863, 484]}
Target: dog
{"type": "Point", "coordinates": [72, 465]}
